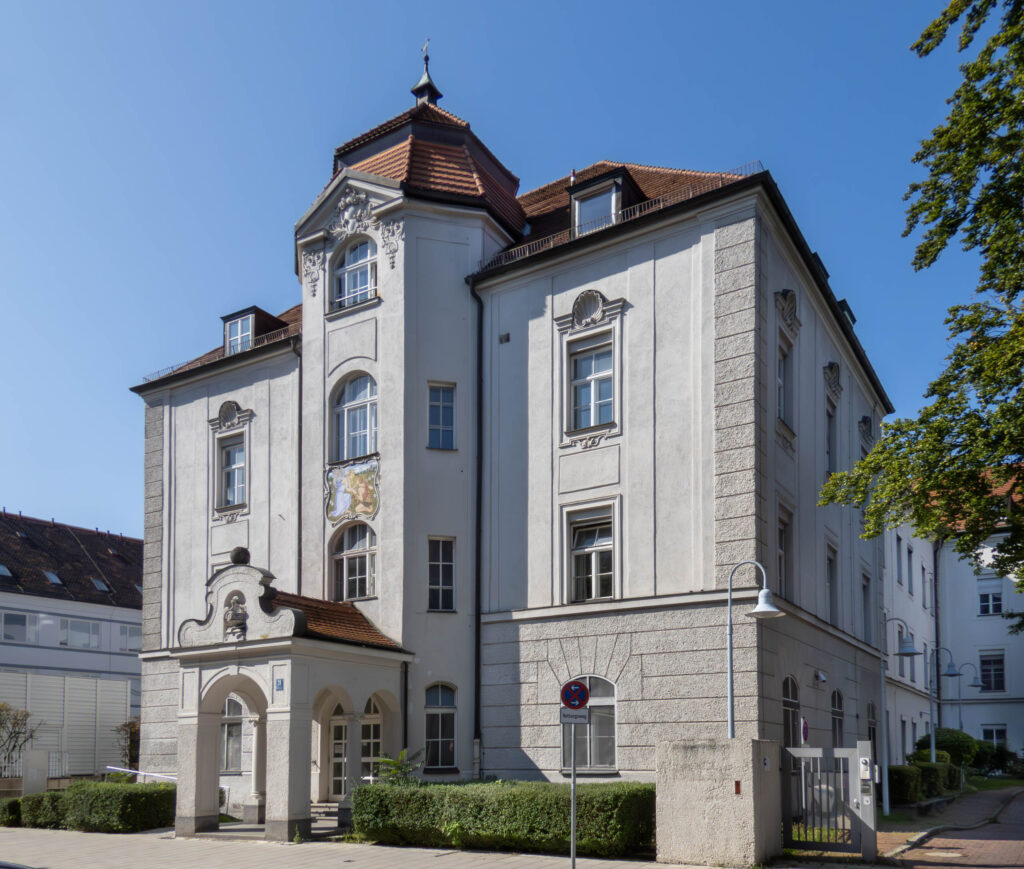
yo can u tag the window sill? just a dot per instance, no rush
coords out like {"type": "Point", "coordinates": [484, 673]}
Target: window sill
{"type": "Point", "coordinates": [354, 460]}
{"type": "Point", "coordinates": [445, 612]}
{"type": "Point", "coordinates": [338, 313]}
{"type": "Point", "coordinates": [362, 599]}
{"type": "Point", "coordinates": [587, 600]}
{"type": "Point", "coordinates": [224, 509]}
{"type": "Point", "coordinates": [441, 770]}
{"type": "Point", "coordinates": [443, 449]}
{"type": "Point", "coordinates": [593, 771]}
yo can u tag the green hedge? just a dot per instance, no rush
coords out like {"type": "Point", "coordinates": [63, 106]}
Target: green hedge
{"type": "Point", "coordinates": [960, 746]}
{"type": "Point", "coordinates": [933, 777]}
{"type": "Point", "coordinates": [10, 812]}
{"type": "Point", "coordinates": [953, 778]}
{"type": "Point", "coordinates": [925, 755]}
{"type": "Point", "coordinates": [45, 810]}
{"type": "Point", "coordinates": [116, 807]}
{"type": "Point", "coordinates": [611, 819]}
{"type": "Point", "coordinates": [905, 784]}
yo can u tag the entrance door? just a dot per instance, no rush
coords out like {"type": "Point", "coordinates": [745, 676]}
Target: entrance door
{"type": "Point", "coordinates": [339, 759]}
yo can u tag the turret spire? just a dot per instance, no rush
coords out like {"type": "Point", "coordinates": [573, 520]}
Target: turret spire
{"type": "Point", "coordinates": [425, 90]}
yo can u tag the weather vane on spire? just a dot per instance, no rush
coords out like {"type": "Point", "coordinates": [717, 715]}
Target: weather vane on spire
{"type": "Point", "coordinates": [425, 90]}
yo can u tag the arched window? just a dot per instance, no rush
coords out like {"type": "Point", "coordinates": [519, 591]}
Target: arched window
{"type": "Point", "coordinates": [355, 418]}
{"type": "Point", "coordinates": [837, 719]}
{"type": "Point", "coordinates": [370, 734]}
{"type": "Point", "coordinates": [595, 742]}
{"type": "Point", "coordinates": [355, 278]}
{"type": "Point", "coordinates": [355, 562]}
{"type": "Point", "coordinates": [440, 723]}
{"type": "Point", "coordinates": [231, 736]}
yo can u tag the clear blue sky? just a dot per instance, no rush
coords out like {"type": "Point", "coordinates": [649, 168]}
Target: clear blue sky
{"type": "Point", "coordinates": [154, 157]}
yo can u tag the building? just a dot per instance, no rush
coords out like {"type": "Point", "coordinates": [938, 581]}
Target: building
{"type": "Point", "coordinates": [506, 440]}
{"type": "Point", "coordinates": [70, 612]}
{"type": "Point", "coordinates": [987, 700]}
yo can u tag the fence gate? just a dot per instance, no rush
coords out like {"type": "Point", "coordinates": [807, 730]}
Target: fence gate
{"type": "Point", "coordinates": [828, 800]}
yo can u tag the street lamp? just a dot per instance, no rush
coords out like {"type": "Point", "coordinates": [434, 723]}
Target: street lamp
{"type": "Point", "coordinates": [765, 609]}
{"type": "Point", "coordinates": [906, 650]}
{"type": "Point", "coordinates": [952, 672]}
{"type": "Point", "coordinates": [974, 683]}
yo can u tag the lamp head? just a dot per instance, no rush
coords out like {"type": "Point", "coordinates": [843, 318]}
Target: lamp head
{"type": "Point", "coordinates": [975, 683]}
{"type": "Point", "coordinates": [765, 608]}
{"type": "Point", "coordinates": [906, 649]}
{"type": "Point", "coordinates": [951, 671]}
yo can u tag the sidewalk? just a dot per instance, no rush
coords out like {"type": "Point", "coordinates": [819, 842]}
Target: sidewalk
{"type": "Point", "coordinates": [59, 849]}
{"type": "Point", "coordinates": [962, 812]}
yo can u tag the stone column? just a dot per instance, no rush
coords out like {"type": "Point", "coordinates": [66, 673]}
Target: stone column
{"type": "Point", "coordinates": [198, 801]}
{"type": "Point", "coordinates": [254, 811]}
{"type": "Point", "coordinates": [288, 757]}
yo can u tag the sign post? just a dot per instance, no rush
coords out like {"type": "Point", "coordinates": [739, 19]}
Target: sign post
{"type": "Point", "coordinates": [575, 696]}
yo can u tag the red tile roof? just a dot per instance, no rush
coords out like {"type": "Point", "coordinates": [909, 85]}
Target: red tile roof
{"type": "Point", "coordinates": [335, 621]}
{"type": "Point", "coordinates": [426, 112]}
{"type": "Point", "coordinates": [28, 547]}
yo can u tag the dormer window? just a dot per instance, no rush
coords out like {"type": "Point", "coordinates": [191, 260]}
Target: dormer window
{"type": "Point", "coordinates": [598, 201]}
{"type": "Point", "coordinates": [596, 211]}
{"type": "Point", "coordinates": [355, 280]}
{"type": "Point", "coordinates": [238, 334]}
{"type": "Point", "coordinates": [52, 577]}
{"type": "Point", "coordinates": [100, 584]}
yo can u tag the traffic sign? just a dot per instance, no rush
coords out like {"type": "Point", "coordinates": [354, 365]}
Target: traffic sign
{"type": "Point", "coordinates": [574, 716]}
{"type": "Point", "coordinates": [575, 695]}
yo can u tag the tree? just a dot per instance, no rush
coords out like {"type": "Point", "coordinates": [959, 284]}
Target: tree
{"type": "Point", "coordinates": [16, 731]}
{"type": "Point", "coordinates": [127, 735]}
{"type": "Point", "coordinates": [955, 470]}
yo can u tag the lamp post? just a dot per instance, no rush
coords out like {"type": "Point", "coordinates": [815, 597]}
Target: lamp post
{"type": "Point", "coordinates": [906, 650]}
{"type": "Point", "coordinates": [952, 673]}
{"type": "Point", "coordinates": [974, 683]}
{"type": "Point", "coordinates": [765, 609]}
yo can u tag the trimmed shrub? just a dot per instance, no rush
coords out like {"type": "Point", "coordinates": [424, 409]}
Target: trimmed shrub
{"type": "Point", "coordinates": [10, 812]}
{"type": "Point", "coordinates": [905, 784]}
{"type": "Point", "coordinates": [960, 746]}
{"type": "Point", "coordinates": [953, 778]}
{"type": "Point", "coordinates": [925, 755]}
{"type": "Point", "coordinates": [611, 819]}
{"type": "Point", "coordinates": [933, 777]}
{"type": "Point", "coordinates": [982, 759]}
{"type": "Point", "coordinates": [115, 807]}
{"type": "Point", "coordinates": [45, 810]}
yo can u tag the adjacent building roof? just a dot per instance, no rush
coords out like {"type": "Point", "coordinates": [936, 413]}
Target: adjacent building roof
{"type": "Point", "coordinates": [90, 566]}
{"type": "Point", "coordinates": [337, 621]}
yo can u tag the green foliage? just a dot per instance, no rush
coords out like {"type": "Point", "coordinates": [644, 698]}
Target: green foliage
{"type": "Point", "coordinates": [10, 812]}
{"type": "Point", "coordinates": [112, 807]}
{"type": "Point", "coordinates": [925, 754]}
{"type": "Point", "coordinates": [953, 778]}
{"type": "Point", "coordinates": [612, 819]}
{"type": "Point", "coordinates": [127, 735]}
{"type": "Point", "coordinates": [983, 756]}
{"type": "Point", "coordinates": [933, 777]}
{"type": "Point", "coordinates": [400, 770]}
{"type": "Point", "coordinates": [960, 746]}
{"type": "Point", "coordinates": [905, 784]}
{"type": "Point", "coordinates": [45, 810]}
{"type": "Point", "coordinates": [952, 470]}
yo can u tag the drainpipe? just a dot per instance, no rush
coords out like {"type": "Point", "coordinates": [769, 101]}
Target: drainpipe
{"type": "Point", "coordinates": [405, 705]}
{"type": "Point", "coordinates": [297, 350]}
{"type": "Point", "coordinates": [936, 553]}
{"type": "Point", "coordinates": [477, 558]}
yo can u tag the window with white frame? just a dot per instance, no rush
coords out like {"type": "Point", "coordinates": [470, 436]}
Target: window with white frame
{"type": "Point", "coordinates": [20, 627]}
{"type": "Point", "coordinates": [872, 718]}
{"type": "Point", "coordinates": [79, 634]}
{"type": "Point", "coordinates": [231, 736]}
{"type": "Point", "coordinates": [355, 562]}
{"type": "Point", "coordinates": [910, 570]}
{"type": "Point", "coordinates": [441, 574]}
{"type": "Point", "coordinates": [995, 734]}
{"type": "Point", "coordinates": [593, 562]}
{"type": "Point", "coordinates": [992, 671]}
{"type": "Point", "coordinates": [129, 638]}
{"type": "Point", "coordinates": [832, 584]}
{"type": "Point", "coordinates": [232, 481]}
{"type": "Point", "coordinates": [866, 609]}
{"type": "Point", "coordinates": [990, 597]}
{"type": "Point", "coordinates": [355, 279]}
{"type": "Point", "coordinates": [899, 560]}
{"type": "Point", "coordinates": [439, 709]}
{"type": "Point", "coordinates": [784, 383]}
{"type": "Point", "coordinates": [831, 444]}
{"type": "Point", "coordinates": [592, 384]}
{"type": "Point", "coordinates": [441, 417]}
{"type": "Point", "coordinates": [913, 659]}
{"type": "Point", "coordinates": [924, 587]}
{"type": "Point", "coordinates": [899, 641]}
{"type": "Point", "coordinates": [791, 736]}
{"type": "Point", "coordinates": [595, 742]}
{"type": "Point", "coordinates": [370, 729]}
{"type": "Point", "coordinates": [837, 719]}
{"type": "Point", "coordinates": [595, 211]}
{"type": "Point", "coordinates": [355, 418]}
{"type": "Point", "coordinates": [784, 553]}
{"type": "Point", "coordinates": [238, 334]}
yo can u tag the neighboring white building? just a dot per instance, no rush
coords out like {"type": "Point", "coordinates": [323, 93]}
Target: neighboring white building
{"type": "Point", "coordinates": [506, 441]}
{"type": "Point", "coordinates": [971, 626]}
{"type": "Point", "coordinates": [70, 631]}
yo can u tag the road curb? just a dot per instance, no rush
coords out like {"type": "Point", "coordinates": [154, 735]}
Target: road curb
{"type": "Point", "coordinates": [921, 838]}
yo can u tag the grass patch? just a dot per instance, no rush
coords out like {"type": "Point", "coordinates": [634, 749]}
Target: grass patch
{"type": "Point", "coordinates": [983, 783]}
{"type": "Point", "coordinates": [895, 817]}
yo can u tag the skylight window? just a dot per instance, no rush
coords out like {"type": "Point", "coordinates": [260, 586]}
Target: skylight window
{"type": "Point", "coordinates": [54, 579]}
{"type": "Point", "coordinates": [4, 571]}
{"type": "Point", "coordinates": [138, 588]}
{"type": "Point", "coordinates": [99, 583]}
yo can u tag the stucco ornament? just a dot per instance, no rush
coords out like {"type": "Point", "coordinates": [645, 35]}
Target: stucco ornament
{"type": "Point", "coordinates": [785, 304]}
{"type": "Point", "coordinates": [312, 268]}
{"type": "Point", "coordinates": [234, 613]}
{"type": "Point", "coordinates": [866, 426]}
{"type": "Point", "coordinates": [351, 491]}
{"type": "Point", "coordinates": [229, 416]}
{"type": "Point", "coordinates": [588, 309]}
{"type": "Point", "coordinates": [832, 384]}
{"type": "Point", "coordinates": [391, 233]}
{"type": "Point", "coordinates": [588, 441]}
{"type": "Point", "coordinates": [351, 215]}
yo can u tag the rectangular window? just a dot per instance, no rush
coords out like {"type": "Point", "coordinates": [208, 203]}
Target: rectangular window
{"type": "Point", "coordinates": [238, 335]}
{"type": "Point", "coordinates": [924, 587]}
{"type": "Point", "coordinates": [832, 585]}
{"type": "Point", "coordinates": [232, 471]}
{"type": "Point", "coordinates": [441, 424]}
{"type": "Point", "coordinates": [130, 638]}
{"type": "Point", "coordinates": [913, 663]}
{"type": "Point", "coordinates": [441, 574]}
{"type": "Point", "coordinates": [595, 742]}
{"type": "Point", "coordinates": [592, 560]}
{"type": "Point", "coordinates": [440, 727]}
{"type": "Point", "coordinates": [910, 569]}
{"type": "Point", "coordinates": [831, 445]}
{"type": "Point", "coordinates": [231, 746]}
{"type": "Point", "coordinates": [591, 387]}
{"type": "Point", "coordinates": [785, 553]}
{"type": "Point", "coordinates": [990, 597]}
{"type": "Point", "coordinates": [784, 383]}
{"type": "Point", "coordinates": [995, 734]}
{"type": "Point", "coordinates": [867, 611]}
{"type": "Point", "coordinates": [903, 738]}
{"type": "Point", "coordinates": [595, 212]}
{"type": "Point", "coordinates": [992, 672]}
{"type": "Point", "coordinates": [899, 559]}
{"type": "Point", "coordinates": [899, 639]}
{"type": "Point", "coordinates": [79, 634]}
{"type": "Point", "coordinates": [21, 628]}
